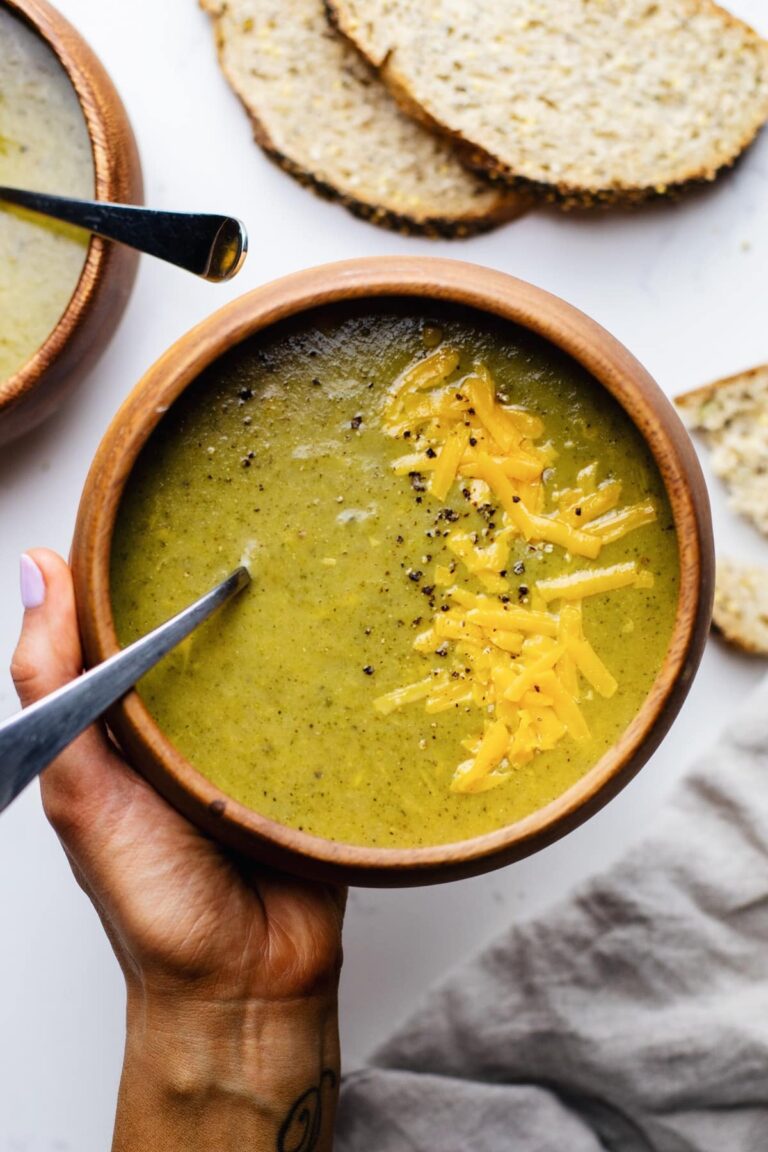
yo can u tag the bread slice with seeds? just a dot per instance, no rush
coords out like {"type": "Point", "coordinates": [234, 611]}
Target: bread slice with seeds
{"type": "Point", "coordinates": [732, 415]}
{"type": "Point", "coordinates": [322, 113]}
{"type": "Point", "coordinates": [741, 605]}
{"type": "Point", "coordinates": [582, 101]}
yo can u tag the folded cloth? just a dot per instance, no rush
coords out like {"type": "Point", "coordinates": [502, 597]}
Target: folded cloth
{"type": "Point", "coordinates": [632, 1017]}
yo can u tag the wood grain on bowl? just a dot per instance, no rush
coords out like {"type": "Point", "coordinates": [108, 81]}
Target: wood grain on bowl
{"type": "Point", "coordinates": [424, 280]}
{"type": "Point", "coordinates": [33, 392]}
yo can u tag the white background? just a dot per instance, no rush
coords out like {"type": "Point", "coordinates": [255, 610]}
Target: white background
{"type": "Point", "coordinates": [682, 285]}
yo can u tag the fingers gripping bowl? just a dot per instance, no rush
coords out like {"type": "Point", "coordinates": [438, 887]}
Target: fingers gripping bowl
{"type": "Point", "coordinates": [482, 565]}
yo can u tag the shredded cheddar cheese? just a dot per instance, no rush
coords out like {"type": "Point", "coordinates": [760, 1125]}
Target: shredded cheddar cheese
{"type": "Point", "coordinates": [522, 664]}
{"type": "Point", "coordinates": [593, 581]}
{"type": "Point", "coordinates": [448, 461]}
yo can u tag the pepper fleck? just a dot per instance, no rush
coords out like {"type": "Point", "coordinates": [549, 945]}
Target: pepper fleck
{"type": "Point", "coordinates": [368, 670]}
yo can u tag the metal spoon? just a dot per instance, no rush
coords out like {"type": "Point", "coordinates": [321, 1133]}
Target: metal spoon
{"type": "Point", "coordinates": [213, 247]}
{"type": "Point", "coordinates": [33, 738]}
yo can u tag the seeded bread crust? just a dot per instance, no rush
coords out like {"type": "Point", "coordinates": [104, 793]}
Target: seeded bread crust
{"type": "Point", "coordinates": [403, 178]}
{"type": "Point", "coordinates": [727, 397]}
{"type": "Point", "coordinates": [732, 415]}
{"type": "Point", "coordinates": [381, 31]}
{"type": "Point", "coordinates": [741, 605]}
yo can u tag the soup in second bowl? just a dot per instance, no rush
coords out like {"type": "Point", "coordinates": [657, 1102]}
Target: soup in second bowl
{"type": "Point", "coordinates": [44, 146]}
{"type": "Point", "coordinates": [465, 573]}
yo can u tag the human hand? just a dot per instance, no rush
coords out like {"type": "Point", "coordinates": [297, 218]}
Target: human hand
{"type": "Point", "coordinates": [231, 971]}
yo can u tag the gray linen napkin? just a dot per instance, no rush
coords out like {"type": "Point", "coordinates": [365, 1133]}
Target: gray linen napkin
{"type": "Point", "coordinates": [633, 1017]}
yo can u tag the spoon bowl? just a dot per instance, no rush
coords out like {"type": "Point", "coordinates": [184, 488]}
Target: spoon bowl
{"type": "Point", "coordinates": [213, 247]}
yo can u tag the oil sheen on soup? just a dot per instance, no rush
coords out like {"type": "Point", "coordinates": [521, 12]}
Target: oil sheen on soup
{"type": "Point", "coordinates": [465, 573]}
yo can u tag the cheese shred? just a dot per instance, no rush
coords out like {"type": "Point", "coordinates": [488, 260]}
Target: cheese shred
{"type": "Point", "coordinates": [522, 664]}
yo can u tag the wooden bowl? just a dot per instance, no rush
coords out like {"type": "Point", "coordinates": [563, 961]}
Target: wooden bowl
{"type": "Point", "coordinates": [429, 279]}
{"type": "Point", "coordinates": [83, 331]}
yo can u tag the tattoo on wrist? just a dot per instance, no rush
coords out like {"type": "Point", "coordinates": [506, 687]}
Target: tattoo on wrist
{"type": "Point", "coordinates": [300, 1131]}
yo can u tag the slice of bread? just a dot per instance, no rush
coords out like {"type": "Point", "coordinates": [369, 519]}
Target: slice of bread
{"type": "Point", "coordinates": [326, 118]}
{"type": "Point", "coordinates": [733, 416]}
{"type": "Point", "coordinates": [741, 605]}
{"type": "Point", "coordinates": [581, 101]}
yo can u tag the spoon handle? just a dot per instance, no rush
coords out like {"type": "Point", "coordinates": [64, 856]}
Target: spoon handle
{"type": "Point", "coordinates": [213, 247]}
{"type": "Point", "coordinates": [30, 740]}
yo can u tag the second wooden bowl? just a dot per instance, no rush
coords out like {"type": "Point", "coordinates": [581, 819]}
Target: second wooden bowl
{"type": "Point", "coordinates": [32, 393]}
{"type": "Point", "coordinates": [424, 280]}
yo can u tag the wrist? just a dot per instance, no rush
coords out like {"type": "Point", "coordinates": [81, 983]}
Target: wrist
{"type": "Point", "coordinates": [246, 1044]}
{"type": "Point", "coordinates": [229, 1074]}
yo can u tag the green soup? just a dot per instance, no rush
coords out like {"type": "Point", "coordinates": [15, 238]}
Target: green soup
{"type": "Point", "coordinates": [44, 146]}
{"type": "Point", "coordinates": [283, 453]}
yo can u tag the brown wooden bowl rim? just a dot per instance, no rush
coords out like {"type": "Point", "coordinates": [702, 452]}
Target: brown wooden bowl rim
{"type": "Point", "coordinates": [74, 54]}
{"type": "Point", "coordinates": [491, 292]}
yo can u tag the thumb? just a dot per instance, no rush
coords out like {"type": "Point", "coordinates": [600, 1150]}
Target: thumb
{"type": "Point", "coordinates": [48, 656]}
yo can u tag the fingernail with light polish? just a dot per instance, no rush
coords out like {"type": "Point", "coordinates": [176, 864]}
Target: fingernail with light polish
{"type": "Point", "coordinates": [32, 583]}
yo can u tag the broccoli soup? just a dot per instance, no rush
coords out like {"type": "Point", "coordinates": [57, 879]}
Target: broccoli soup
{"type": "Point", "coordinates": [44, 145]}
{"type": "Point", "coordinates": [465, 573]}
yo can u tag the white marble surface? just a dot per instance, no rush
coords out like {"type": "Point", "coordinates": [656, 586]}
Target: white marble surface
{"type": "Point", "coordinates": [683, 286]}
